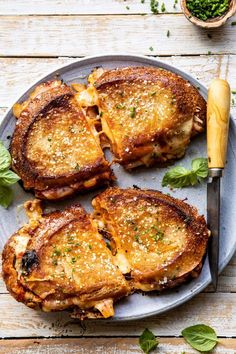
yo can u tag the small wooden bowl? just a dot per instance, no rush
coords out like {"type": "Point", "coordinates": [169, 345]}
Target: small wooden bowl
{"type": "Point", "coordinates": [213, 22]}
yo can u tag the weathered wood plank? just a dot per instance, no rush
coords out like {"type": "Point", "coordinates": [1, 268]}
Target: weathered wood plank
{"type": "Point", "coordinates": [17, 74]}
{"type": "Point", "coordinates": [214, 309]}
{"type": "Point", "coordinates": [82, 7]}
{"type": "Point", "coordinates": [104, 345]}
{"type": "Point", "coordinates": [89, 35]}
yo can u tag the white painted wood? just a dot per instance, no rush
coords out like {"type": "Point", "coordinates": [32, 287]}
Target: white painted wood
{"type": "Point", "coordinates": [113, 30]}
{"type": "Point", "coordinates": [17, 74]}
{"type": "Point", "coordinates": [81, 7]}
{"type": "Point", "coordinates": [104, 345]}
{"type": "Point", "coordinates": [214, 309]}
{"type": "Point", "coordinates": [90, 35]}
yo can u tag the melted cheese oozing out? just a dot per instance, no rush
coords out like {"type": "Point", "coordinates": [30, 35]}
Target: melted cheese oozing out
{"type": "Point", "coordinates": [105, 307]}
{"type": "Point", "coordinates": [88, 97]}
{"type": "Point", "coordinates": [122, 262]}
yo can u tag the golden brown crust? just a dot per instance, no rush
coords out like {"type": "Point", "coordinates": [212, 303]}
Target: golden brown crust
{"type": "Point", "coordinates": [149, 114]}
{"type": "Point", "coordinates": [48, 147]}
{"type": "Point", "coordinates": [61, 262]}
{"type": "Point", "coordinates": [159, 240]}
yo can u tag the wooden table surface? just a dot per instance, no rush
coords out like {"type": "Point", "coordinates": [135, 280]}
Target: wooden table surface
{"type": "Point", "coordinates": [37, 37]}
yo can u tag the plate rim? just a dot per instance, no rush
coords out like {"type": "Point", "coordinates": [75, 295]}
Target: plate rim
{"type": "Point", "coordinates": [143, 60]}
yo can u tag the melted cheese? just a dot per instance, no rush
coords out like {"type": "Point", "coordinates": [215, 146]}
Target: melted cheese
{"type": "Point", "coordinates": [105, 307]}
{"type": "Point", "coordinates": [88, 97]}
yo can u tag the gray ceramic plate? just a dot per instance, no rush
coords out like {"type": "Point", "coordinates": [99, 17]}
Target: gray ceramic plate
{"type": "Point", "coordinates": [137, 305]}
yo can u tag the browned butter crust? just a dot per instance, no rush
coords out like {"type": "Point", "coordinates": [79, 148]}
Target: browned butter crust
{"type": "Point", "coordinates": [148, 114]}
{"type": "Point", "coordinates": [59, 261]}
{"type": "Point", "coordinates": [55, 148]}
{"type": "Point", "coordinates": [158, 241]}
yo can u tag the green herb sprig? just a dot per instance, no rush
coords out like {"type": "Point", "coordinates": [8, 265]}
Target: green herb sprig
{"type": "Point", "coordinates": [179, 177]}
{"type": "Point", "coordinates": [148, 341]}
{"type": "Point", "coordinates": [7, 177]}
{"type": "Point", "coordinates": [201, 337]}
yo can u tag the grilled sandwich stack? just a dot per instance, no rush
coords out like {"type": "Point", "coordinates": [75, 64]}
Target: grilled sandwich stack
{"type": "Point", "coordinates": [61, 261]}
{"type": "Point", "coordinates": [146, 116]}
{"type": "Point", "coordinates": [135, 239]}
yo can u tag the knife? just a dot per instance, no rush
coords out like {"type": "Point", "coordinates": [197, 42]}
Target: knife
{"type": "Point", "coordinates": [218, 112]}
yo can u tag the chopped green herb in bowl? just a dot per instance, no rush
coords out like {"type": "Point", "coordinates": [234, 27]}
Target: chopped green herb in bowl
{"type": "Point", "coordinates": [207, 9]}
{"type": "Point", "coordinates": [208, 13]}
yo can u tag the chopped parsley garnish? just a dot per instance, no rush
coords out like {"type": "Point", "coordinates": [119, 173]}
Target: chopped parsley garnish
{"type": "Point", "coordinates": [233, 23]}
{"type": "Point", "coordinates": [204, 10]}
{"type": "Point", "coordinates": [120, 106]}
{"type": "Point", "coordinates": [49, 139]}
{"type": "Point", "coordinates": [151, 49]}
{"type": "Point", "coordinates": [132, 112]}
{"type": "Point", "coordinates": [90, 247]}
{"type": "Point", "coordinates": [175, 3]}
{"type": "Point", "coordinates": [73, 260]}
{"type": "Point", "coordinates": [153, 93]}
{"type": "Point", "coordinates": [77, 167]}
{"type": "Point", "coordinates": [154, 6]}
{"type": "Point", "coordinates": [168, 33]}
{"type": "Point", "coordinates": [163, 8]}
{"type": "Point", "coordinates": [159, 235]}
{"type": "Point", "coordinates": [72, 130]}
{"type": "Point", "coordinates": [54, 262]}
{"type": "Point", "coordinates": [56, 253]}
{"type": "Point", "coordinates": [127, 7]}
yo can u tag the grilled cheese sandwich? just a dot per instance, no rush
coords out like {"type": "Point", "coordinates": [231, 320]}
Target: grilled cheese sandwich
{"type": "Point", "coordinates": [55, 147]}
{"type": "Point", "coordinates": [59, 261]}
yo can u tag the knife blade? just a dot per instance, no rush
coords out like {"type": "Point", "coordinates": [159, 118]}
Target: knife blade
{"type": "Point", "coordinates": [218, 112]}
{"type": "Point", "coordinates": [213, 221]}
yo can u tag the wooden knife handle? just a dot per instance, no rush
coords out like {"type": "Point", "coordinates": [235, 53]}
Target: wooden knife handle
{"type": "Point", "coordinates": [218, 113]}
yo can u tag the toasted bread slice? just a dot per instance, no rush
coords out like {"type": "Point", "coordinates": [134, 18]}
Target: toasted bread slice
{"type": "Point", "coordinates": [158, 241]}
{"type": "Point", "coordinates": [55, 148]}
{"type": "Point", "coordinates": [148, 114]}
{"type": "Point", "coordinates": [59, 261]}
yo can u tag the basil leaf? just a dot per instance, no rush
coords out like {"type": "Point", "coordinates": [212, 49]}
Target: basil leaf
{"type": "Point", "coordinates": [6, 196]}
{"type": "Point", "coordinates": [179, 177]}
{"type": "Point", "coordinates": [200, 167]}
{"type": "Point", "coordinates": [8, 177]}
{"type": "Point", "coordinates": [148, 341]}
{"type": "Point", "coordinates": [201, 337]}
{"type": "Point", "coordinates": [5, 157]}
